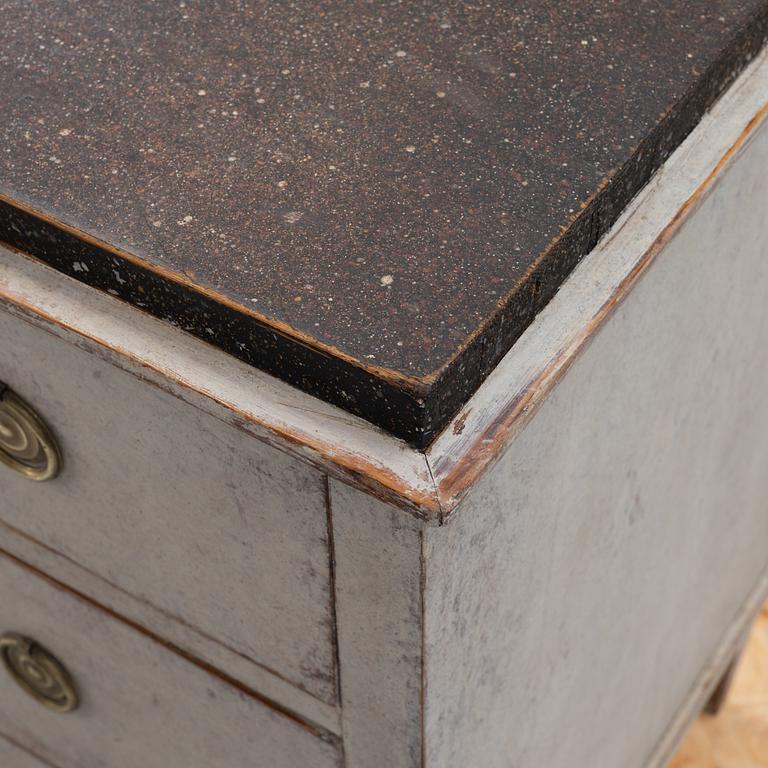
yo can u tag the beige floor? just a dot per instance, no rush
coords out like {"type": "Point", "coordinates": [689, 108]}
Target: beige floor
{"type": "Point", "coordinates": [738, 736]}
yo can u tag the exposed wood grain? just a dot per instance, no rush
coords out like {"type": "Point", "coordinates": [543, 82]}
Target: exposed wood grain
{"type": "Point", "coordinates": [738, 736]}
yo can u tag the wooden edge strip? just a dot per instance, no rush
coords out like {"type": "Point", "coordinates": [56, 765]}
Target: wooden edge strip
{"type": "Point", "coordinates": [412, 488]}
{"type": "Point", "coordinates": [455, 474]}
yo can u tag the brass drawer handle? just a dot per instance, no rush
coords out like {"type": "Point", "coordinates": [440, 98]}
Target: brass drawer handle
{"type": "Point", "coordinates": [26, 444]}
{"type": "Point", "coordinates": [38, 672]}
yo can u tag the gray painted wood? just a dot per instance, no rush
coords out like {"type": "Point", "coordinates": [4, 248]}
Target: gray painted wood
{"type": "Point", "coordinates": [138, 610]}
{"type": "Point", "coordinates": [730, 648]}
{"type": "Point", "coordinates": [379, 608]}
{"type": "Point", "coordinates": [13, 756]}
{"type": "Point", "coordinates": [590, 576]}
{"type": "Point", "coordinates": [209, 526]}
{"type": "Point", "coordinates": [141, 703]}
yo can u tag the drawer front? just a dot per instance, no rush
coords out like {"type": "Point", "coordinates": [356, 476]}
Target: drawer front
{"type": "Point", "coordinates": [13, 756]}
{"type": "Point", "coordinates": [140, 704]}
{"type": "Point", "coordinates": [209, 526]}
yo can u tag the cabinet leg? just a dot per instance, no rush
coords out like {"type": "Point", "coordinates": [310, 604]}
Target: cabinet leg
{"type": "Point", "coordinates": [718, 696]}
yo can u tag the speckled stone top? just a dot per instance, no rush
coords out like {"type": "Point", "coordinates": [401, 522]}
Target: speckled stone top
{"type": "Point", "coordinates": [370, 200]}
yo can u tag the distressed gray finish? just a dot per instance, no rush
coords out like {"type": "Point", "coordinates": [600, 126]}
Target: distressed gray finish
{"type": "Point", "coordinates": [141, 703]}
{"type": "Point", "coordinates": [215, 529]}
{"type": "Point", "coordinates": [13, 756]}
{"type": "Point", "coordinates": [590, 576]}
{"type": "Point", "coordinates": [379, 605]}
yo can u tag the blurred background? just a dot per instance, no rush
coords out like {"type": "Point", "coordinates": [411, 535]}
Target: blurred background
{"type": "Point", "coordinates": [737, 737]}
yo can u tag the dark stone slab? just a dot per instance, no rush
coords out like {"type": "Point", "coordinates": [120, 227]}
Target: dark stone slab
{"type": "Point", "coordinates": [370, 200]}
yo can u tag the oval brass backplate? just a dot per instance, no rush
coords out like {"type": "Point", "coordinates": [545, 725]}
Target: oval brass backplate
{"type": "Point", "coordinates": [38, 672]}
{"type": "Point", "coordinates": [26, 444]}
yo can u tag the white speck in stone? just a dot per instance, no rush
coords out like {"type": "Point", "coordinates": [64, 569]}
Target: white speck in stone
{"type": "Point", "coordinates": [157, 223]}
{"type": "Point", "coordinates": [260, 101]}
{"type": "Point", "coordinates": [79, 266]}
{"type": "Point", "coordinates": [585, 42]}
{"type": "Point", "coordinates": [285, 72]}
{"type": "Point", "coordinates": [114, 171]}
{"type": "Point", "coordinates": [401, 54]}
{"type": "Point", "coordinates": [201, 92]}
{"type": "Point", "coordinates": [231, 159]}
{"type": "Point", "coordinates": [55, 160]}
{"type": "Point", "coordinates": [365, 84]}
{"type": "Point", "coordinates": [65, 131]}
{"type": "Point", "coordinates": [387, 280]}
{"type": "Point", "coordinates": [118, 277]}
{"type": "Point", "coordinates": [410, 148]}
{"type": "Point", "coordinates": [282, 184]}
{"type": "Point", "coordinates": [331, 167]}
{"type": "Point", "coordinates": [184, 221]}
{"type": "Point", "coordinates": [293, 216]}
{"type": "Point", "coordinates": [441, 94]}
{"type": "Point", "coordinates": [209, 331]}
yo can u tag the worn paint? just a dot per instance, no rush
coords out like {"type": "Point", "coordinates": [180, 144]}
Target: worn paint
{"type": "Point", "coordinates": [375, 229]}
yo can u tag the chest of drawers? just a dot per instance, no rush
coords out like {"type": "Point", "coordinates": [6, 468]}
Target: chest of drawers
{"type": "Point", "coordinates": [231, 535]}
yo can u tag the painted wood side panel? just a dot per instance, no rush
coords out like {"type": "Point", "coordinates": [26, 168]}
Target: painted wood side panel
{"type": "Point", "coordinates": [189, 514]}
{"type": "Point", "coordinates": [141, 704]}
{"type": "Point", "coordinates": [587, 580]}
{"type": "Point", "coordinates": [379, 607]}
